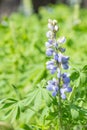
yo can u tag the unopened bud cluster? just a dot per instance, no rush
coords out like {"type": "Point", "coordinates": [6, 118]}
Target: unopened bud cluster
{"type": "Point", "coordinates": [57, 61]}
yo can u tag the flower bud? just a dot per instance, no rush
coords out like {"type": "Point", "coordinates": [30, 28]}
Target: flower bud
{"type": "Point", "coordinates": [49, 34]}
{"type": "Point", "coordinates": [54, 22]}
{"type": "Point", "coordinates": [56, 28]}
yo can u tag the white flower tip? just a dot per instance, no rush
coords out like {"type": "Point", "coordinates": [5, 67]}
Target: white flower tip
{"type": "Point", "coordinates": [54, 22]}
{"type": "Point", "coordinates": [49, 34]}
{"type": "Point", "coordinates": [56, 28]}
{"type": "Point", "coordinates": [50, 21]}
{"type": "Point", "coordinates": [50, 26]}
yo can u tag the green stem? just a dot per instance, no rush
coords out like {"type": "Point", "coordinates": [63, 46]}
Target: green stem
{"type": "Point", "coordinates": [60, 125]}
{"type": "Point", "coordinates": [60, 109]}
{"type": "Point", "coordinates": [60, 121]}
{"type": "Point", "coordinates": [59, 99]}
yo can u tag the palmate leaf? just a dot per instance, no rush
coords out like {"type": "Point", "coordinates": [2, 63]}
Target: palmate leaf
{"type": "Point", "coordinates": [36, 94]}
{"type": "Point", "coordinates": [29, 99]}
{"type": "Point", "coordinates": [36, 100]}
{"type": "Point", "coordinates": [9, 102]}
{"type": "Point", "coordinates": [11, 108]}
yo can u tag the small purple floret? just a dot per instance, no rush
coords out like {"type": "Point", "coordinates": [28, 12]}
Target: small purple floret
{"type": "Point", "coordinates": [49, 52]}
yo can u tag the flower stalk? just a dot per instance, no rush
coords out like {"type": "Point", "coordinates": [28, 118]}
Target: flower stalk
{"type": "Point", "coordinates": [60, 84]}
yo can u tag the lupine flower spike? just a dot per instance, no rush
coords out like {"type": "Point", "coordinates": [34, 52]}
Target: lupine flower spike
{"type": "Point", "coordinates": [57, 62]}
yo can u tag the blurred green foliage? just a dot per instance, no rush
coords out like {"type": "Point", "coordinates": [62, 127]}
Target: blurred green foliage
{"type": "Point", "coordinates": [22, 67]}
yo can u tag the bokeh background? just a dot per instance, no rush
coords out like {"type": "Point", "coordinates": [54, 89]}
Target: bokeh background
{"type": "Point", "coordinates": [9, 6]}
{"type": "Point", "coordinates": [23, 27]}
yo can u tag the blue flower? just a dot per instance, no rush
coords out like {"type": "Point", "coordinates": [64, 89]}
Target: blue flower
{"type": "Point", "coordinates": [55, 56]}
{"type": "Point", "coordinates": [68, 89]}
{"type": "Point", "coordinates": [63, 96]}
{"type": "Point", "coordinates": [54, 93]}
{"type": "Point", "coordinates": [53, 70]}
{"type": "Point", "coordinates": [49, 43]}
{"type": "Point", "coordinates": [59, 57]}
{"type": "Point", "coordinates": [65, 78]}
{"type": "Point", "coordinates": [49, 52]}
{"type": "Point", "coordinates": [61, 40]}
{"type": "Point", "coordinates": [51, 66]}
{"type": "Point", "coordinates": [65, 59]}
{"type": "Point", "coordinates": [64, 90]}
{"type": "Point", "coordinates": [65, 66]}
{"type": "Point", "coordinates": [58, 62]}
{"type": "Point", "coordinates": [53, 86]}
{"type": "Point", "coordinates": [62, 49]}
{"type": "Point", "coordinates": [55, 44]}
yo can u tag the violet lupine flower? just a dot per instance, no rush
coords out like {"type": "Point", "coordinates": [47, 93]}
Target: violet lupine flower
{"type": "Point", "coordinates": [57, 62]}
{"type": "Point", "coordinates": [53, 86]}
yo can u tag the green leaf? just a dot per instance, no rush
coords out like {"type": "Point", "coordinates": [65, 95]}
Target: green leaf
{"type": "Point", "coordinates": [74, 113]}
{"type": "Point", "coordinates": [84, 69]}
{"type": "Point", "coordinates": [72, 94]}
{"type": "Point", "coordinates": [41, 74]}
{"type": "Point", "coordinates": [15, 113]}
{"type": "Point", "coordinates": [83, 79]}
{"type": "Point", "coordinates": [6, 105]}
{"type": "Point", "coordinates": [75, 75]}
{"type": "Point", "coordinates": [27, 127]}
{"type": "Point", "coordinates": [18, 112]}
{"type": "Point", "coordinates": [8, 114]}
{"type": "Point", "coordinates": [46, 96]}
{"type": "Point", "coordinates": [31, 97]}
{"type": "Point", "coordinates": [12, 100]}
{"type": "Point", "coordinates": [52, 115]}
{"type": "Point", "coordinates": [38, 100]}
{"type": "Point", "coordinates": [79, 109]}
{"type": "Point", "coordinates": [2, 100]}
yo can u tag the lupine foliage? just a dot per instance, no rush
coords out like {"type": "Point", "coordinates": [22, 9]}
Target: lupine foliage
{"type": "Point", "coordinates": [24, 100]}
